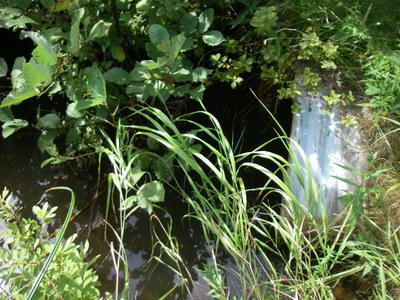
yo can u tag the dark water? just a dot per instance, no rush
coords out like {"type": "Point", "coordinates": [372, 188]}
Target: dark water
{"type": "Point", "coordinates": [21, 173]}
{"type": "Point", "coordinates": [244, 122]}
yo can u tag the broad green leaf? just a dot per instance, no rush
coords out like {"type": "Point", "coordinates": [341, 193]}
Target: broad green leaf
{"type": "Point", "coordinates": [213, 38]}
{"type": "Point", "coordinates": [197, 93]}
{"type": "Point", "coordinates": [119, 53]}
{"type": "Point", "coordinates": [3, 67]}
{"type": "Point", "coordinates": [182, 75]}
{"type": "Point", "coordinates": [6, 114]}
{"type": "Point", "coordinates": [72, 111]}
{"type": "Point", "coordinates": [95, 84]}
{"type": "Point", "coordinates": [44, 52]}
{"type": "Point", "coordinates": [46, 139]}
{"type": "Point", "coordinates": [19, 95]}
{"type": "Point", "coordinates": [116, 75]}
{"type": "Point", "coordinates": [188, 23]}
{"type": "Point", "coordinates": [205, 20]}
{"type": "Point", "coordinates": [36, 74]}
{"type": "Point", "coordinates": [61, 5]}
{"type": "Point", "coordinates": [74, 36]}
{"type": "Point", "coordinates": [149, 193]}
{"type": "Point", "coordinates": [12, 126]}
{"type": "Point", "coordinates": [49, 121]}
{"type": "Point", "coordinates": [99, 30]}
{"type": "Point", "coordinates": [128, 202]}
{"type": "Point", "coordinates": [200, 74]}
{"type": "Point", "coordinates": [158, 33]}
{"type": "Point", "coordinates": [85, 104]}
{"type": "Point", "coordinates": [176, 46]}
{"type": "Point", "coordinates": [72, 136]}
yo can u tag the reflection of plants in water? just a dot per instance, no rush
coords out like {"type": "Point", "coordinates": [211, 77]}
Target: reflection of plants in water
{"type": "Point", "coordinates": [26, 246]}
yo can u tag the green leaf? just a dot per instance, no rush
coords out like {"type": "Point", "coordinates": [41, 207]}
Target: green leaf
{"type": "Point", "coordinates": [176, 46]}
{"type": "Point", "coordinates": [85, 104]}
{"type": "Point", "coordinates": [213, 38]}
{"type": "Point", "coordinates": [164, 168]}
{"type": "Point", "coordinates": [44, 52]}
{"type": "Point", "coordinates": [36, 74]}
{"type": "Point", "coordinates": [12, 126]}
{"type": "Point", "coordinates": [99, 30]}
{"type": "Point", "coordinates": [158, 33]}
{"type": "Point", "coordinates": [117, 76]}
{"type": "Point", "coordinates": [60, 5]}
{"type": "Point", "coordinates": [118, 53]}
{"type": "Point", "coordinates": [6, 114]}
{"type": "Point", "coordinates": [149, 193]}
{"type": "Point", "coordinates": [197, 93]}
{"type": "Point", "coordinates": [188, 23]}
{"type": "Point", "coordinates": [200, 74]}
{"type": "Point", "coordinates": [95, 84]}
{"type": "Point", "coordinates": [46, 139]}
{"type": "Point", "coordinates": [152, 144]}
{"type": "Point", "coordinates": [19, 95]}
{"type": "Point", "coordinates": [3, 67]}
{"type": "Point", "coordinates": [72, 111]}
{"type": "Point", "coordinates": [48, 121]}
{"type": "Point", "coordinates": [74, 36]}
{"type": "Point", "coordinates": [205, 20]}
{"type": "Point", "coordinates": [72, 135]}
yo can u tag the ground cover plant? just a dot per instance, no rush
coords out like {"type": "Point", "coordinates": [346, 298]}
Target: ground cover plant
{"type": "Point", "coordinates": [117, 78]}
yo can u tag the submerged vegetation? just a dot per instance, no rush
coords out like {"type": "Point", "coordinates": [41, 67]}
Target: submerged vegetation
{"type": "Point", "coordinates": [126, 80]}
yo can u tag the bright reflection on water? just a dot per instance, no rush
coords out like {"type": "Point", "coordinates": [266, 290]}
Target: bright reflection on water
{"type": "Point", "coordinates": [21, 173]}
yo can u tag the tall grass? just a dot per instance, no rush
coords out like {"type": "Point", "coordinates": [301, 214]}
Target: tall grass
{"type": "Point", "coordinates": [276, 253]}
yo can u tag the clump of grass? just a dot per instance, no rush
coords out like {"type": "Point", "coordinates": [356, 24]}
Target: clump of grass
{"type": "Point", "coordinates": [275, 252]}
{"type": "Point", "coordinates": [315, 255]}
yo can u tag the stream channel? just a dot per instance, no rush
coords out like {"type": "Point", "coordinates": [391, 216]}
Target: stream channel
{"type": "Point", "coordinates": [243, 120]}
{"type": "Point", "coordinates": [20, 162]}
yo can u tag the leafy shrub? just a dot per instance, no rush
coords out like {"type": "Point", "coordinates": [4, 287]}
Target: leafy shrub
{"type": "Point", "coordinates": [26, 245]}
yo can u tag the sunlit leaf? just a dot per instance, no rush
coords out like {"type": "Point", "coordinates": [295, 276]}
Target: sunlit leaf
{"type": "Point", "coordinates": [200, 74]}
{"type": "Point", "coordinates": [12, 126]}
{"type": "Point", "coordinates": [213, 38]}
{"type": "Point", "coordinates": [205, 20]}
{"type": "Point", "coordinates": [3, 67]}
{"type": "Point", "coordinates": [60, 5]}
{"type": "Point", "coordinates": [99, 30]}
{"type": "Point", "coordinates": [85, 104]}
{"type": "Point", "coordinates": [149, 193]}
{"type": "Point", "coordinates": [19, 95]}
{"type": "Point", "coordinates": [36, 74]}
{"type": "Point", "coordinates": [44, 52]}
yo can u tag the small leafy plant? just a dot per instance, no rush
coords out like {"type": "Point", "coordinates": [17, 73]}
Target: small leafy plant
{"type": "Point", "coordinates": [25, 247]}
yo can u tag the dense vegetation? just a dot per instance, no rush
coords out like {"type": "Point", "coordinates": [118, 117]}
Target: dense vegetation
{"type": "Point", "coordinates": [114, 78]}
